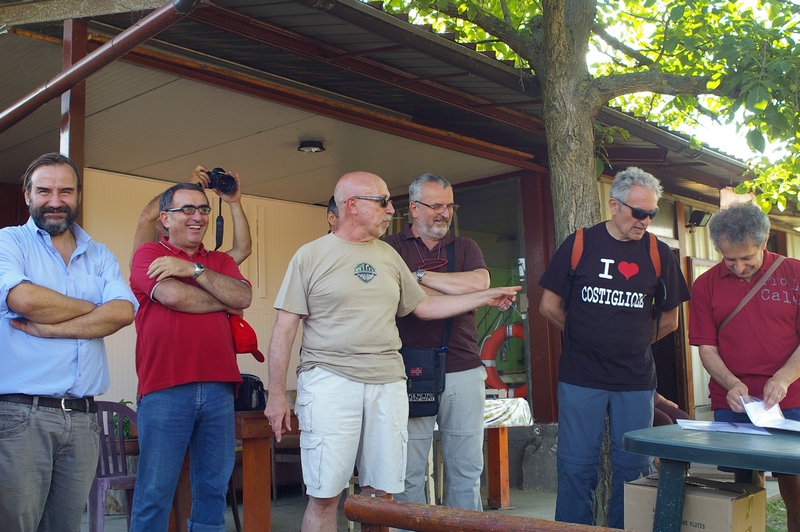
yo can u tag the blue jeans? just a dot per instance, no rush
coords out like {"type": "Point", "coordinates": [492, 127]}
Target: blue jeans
{"type": "Point", "coordinates": [48, 459]}
{"type": "Point", "coordinates": [198, 417]}
{"type": "Point", "coordinates": [581, 424]}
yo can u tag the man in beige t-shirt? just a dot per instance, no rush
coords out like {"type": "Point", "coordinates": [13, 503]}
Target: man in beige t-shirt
{"type": "Point", "coordinates": [348, 287]}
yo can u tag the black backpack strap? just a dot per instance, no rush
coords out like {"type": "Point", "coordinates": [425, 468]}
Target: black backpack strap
{"type": "Point", "coordinates": [451, 267]}
{"type": "Point", "coordinates": [575, 258]}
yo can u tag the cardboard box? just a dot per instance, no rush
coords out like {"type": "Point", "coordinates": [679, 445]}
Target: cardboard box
{"type": "Point", "coordinates": [709, 506]}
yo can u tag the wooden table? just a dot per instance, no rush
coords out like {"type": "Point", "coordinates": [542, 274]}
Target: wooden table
{"type": "Point", "coordinates": [255, 432]}
{"type": "Point", "coordinates": [678, 447]}
{"type": "Point", "coordinates": [499, 415]}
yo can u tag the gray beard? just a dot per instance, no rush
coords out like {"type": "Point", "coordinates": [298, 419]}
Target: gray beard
{"type": "Point", "coordinates": [53, 228]}
{"type": "Point", "coordinates": [433, 232]}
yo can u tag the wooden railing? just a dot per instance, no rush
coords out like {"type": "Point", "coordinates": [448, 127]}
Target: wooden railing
{"type": "Point", "coordinates": [376, 512]}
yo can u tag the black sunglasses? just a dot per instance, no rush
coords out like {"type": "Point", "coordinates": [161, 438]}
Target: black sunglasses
{"type": "Point", "coordinates": [189, 209]}
{"type": "Point", "coordinates": [639, 214]}
{"type": "Point", "coordinates": [384, 201]}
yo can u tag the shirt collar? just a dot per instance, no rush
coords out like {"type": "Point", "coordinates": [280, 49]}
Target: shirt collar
{"type": "Point", "coordinates": [82, 238]}
{"type": "Point", "coordinates": [175, 250]}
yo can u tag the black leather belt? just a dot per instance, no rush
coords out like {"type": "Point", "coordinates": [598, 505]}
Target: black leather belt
{"type": "Point", "coordinates": [80, 404]}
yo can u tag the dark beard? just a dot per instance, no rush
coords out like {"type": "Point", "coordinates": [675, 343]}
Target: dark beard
{"type": "Point", "coordinates": [53, 228]}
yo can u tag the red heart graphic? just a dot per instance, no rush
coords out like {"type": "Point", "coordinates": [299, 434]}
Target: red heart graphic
{"type": "Point", "coordinates": [628, 269]}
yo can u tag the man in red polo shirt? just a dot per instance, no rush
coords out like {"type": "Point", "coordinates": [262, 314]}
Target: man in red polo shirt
{"type": "Point", "coordinates": [757, 353]}
{"type": "Point", "coordinates": [186, 364]}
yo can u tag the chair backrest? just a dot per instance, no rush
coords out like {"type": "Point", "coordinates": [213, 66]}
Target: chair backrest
{"type": "Point", "coordinates": [111, 419]}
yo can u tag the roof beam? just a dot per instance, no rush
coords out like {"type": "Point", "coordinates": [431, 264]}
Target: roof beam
{"type": "Point", "coordinates": [310, 48]}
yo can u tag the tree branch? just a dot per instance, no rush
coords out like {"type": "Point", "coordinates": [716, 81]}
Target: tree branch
{"type": "Point", "coordinates": [607, 88]}
{"type": "Point", "coordinates": [616, 44]}
{"type": "Point", "coordinates": [506, 13]}
{"type": "Point", "coordinates": [494, 26]}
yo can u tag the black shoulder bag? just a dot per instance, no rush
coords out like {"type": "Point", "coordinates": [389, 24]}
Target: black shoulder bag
{"type": "Point", "coordinates": [425, 367]}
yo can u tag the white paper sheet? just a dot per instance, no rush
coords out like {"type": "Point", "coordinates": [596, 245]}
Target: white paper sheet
{"type": "Point", "coordinates": [721, 426]}
{"type": "Point", "coordinates": [772, 418]}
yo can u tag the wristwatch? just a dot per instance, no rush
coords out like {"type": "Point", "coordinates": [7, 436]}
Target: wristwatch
{"type": "Point", "coordinates": [198, 269]}
{"type": "Point", "coordinates": [420, 274]}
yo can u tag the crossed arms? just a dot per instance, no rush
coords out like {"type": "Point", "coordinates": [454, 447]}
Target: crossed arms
{"type": "Point", "coordinates": [50, 314]}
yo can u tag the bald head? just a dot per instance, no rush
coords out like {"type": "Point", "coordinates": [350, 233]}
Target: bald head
{"type": "Point", "coordinates": [357, 184]}
{"type": "Point", "coordinates": [363, 212]}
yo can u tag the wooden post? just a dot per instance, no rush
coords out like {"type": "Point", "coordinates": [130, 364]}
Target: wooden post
{"type": "Point", "coordinates": [497, 468]}
{"type": "Point", "coordinates": [376, 494]}
{"type": "Point", "coordinates": [73, 102]}
{"type": "Point", "coordinates": [376, 514]}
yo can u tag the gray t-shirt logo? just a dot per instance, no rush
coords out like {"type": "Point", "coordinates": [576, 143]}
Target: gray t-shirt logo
{"type": "Point", "coordinates": [365, 272]}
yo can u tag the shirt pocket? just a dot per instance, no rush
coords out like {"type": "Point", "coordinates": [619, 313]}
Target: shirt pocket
{"type": "Point", "coordinates": [86, 286]}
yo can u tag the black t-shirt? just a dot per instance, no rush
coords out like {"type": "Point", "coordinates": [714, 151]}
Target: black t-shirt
{"type": "Point", "coordinates": [609, 316]}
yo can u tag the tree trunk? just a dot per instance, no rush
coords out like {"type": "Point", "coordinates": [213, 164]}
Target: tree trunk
{"type": "Point", "coordinates": [602, 495]}
{"type": "Point", "coordinates": [569, 113]}
{"type": "Point", "coordinates": [573, 183]}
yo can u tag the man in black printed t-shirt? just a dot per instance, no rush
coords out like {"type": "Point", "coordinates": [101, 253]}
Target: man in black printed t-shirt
{"type": "Point", "coordinates": [608, 322]}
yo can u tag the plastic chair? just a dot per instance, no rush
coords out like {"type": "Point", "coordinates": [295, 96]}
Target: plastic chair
{"type": "Point", "coordinates": [112, 466]}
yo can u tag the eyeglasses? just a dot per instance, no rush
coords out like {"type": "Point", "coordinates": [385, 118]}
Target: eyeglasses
{"type": "Point", "coordinates": [189, 209]}
{"type": "Point", "coordinates": [639, 214]}
{"type": "Point", "coordinates": [440, 207]}
{"type": "Point", "coordinates": [384, 201]}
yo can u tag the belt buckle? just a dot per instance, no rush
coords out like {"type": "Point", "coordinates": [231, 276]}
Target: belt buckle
{"type": "Point", "coordinates": [65, 409]}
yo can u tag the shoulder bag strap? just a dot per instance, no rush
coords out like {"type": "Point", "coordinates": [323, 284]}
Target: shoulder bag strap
{"type": "Point", "coordinates": [752, 292]}
{"type": "Point", "coordinates": [451, 267]}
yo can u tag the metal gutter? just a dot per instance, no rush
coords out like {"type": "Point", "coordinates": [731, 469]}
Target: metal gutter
{"type": "Point", "coordinates": [148, 27]}
{"type": "Point", "coordinates": [671, 141]}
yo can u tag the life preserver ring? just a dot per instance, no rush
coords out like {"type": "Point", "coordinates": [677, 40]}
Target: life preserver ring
{"type": "Point", "coordinates": [489, 351]}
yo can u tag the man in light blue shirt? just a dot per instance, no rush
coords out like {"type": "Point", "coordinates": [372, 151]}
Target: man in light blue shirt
{"type": "Point", "coordinates": [60, 294]}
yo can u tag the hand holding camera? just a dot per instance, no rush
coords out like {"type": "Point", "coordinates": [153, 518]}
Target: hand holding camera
{"type": "Point", "coordinates": [220, 180]}
{"type": "Point", "coordinates": [226, 184]}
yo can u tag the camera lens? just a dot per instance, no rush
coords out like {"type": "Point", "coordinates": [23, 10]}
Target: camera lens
{"type": "Point", "coordinates": [221, 181]}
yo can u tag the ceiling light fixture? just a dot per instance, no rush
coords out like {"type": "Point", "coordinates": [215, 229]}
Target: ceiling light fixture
{"type": "Point", "coordinates": [311, 146]}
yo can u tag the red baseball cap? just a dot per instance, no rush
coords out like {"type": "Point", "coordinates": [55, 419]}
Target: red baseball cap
{"type": "Point", "coordinates": [244, 337]}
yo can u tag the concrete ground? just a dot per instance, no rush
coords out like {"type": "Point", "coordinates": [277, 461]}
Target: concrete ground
{"type": "Point", "coordinates": [287, 511]}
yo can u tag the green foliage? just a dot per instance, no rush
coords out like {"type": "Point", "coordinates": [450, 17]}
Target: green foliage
{"type": "Point", "coordinates": [775, 185]}
{"type": "Point", "coordinates": [605, 136]}
{"type": "Point", "coordinates": [126, 424]}
{"type": "Point", "coordinates": [776, 516]}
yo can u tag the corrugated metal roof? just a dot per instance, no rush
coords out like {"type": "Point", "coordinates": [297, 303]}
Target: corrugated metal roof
{"type": "Point", "coordinates": [156, 123]}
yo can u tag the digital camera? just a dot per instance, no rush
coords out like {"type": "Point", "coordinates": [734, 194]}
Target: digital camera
{"type": "Point", "coordinates": [221, 181]}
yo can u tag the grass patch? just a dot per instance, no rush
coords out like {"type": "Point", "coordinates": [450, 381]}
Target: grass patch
{"type": "Point", "coordinates": [776, 516]}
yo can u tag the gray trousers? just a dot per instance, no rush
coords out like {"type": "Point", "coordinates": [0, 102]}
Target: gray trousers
{"type": "Point", "coordinates": [460, 421]}
{"type": "Point", "coordinates": [48, 460]}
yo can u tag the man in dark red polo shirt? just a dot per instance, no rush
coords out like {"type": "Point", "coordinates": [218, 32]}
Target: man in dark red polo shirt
{"type": "Point", "coordinates": [422, 244]}
{"type": "Point", "coordinates": [757, 353]}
